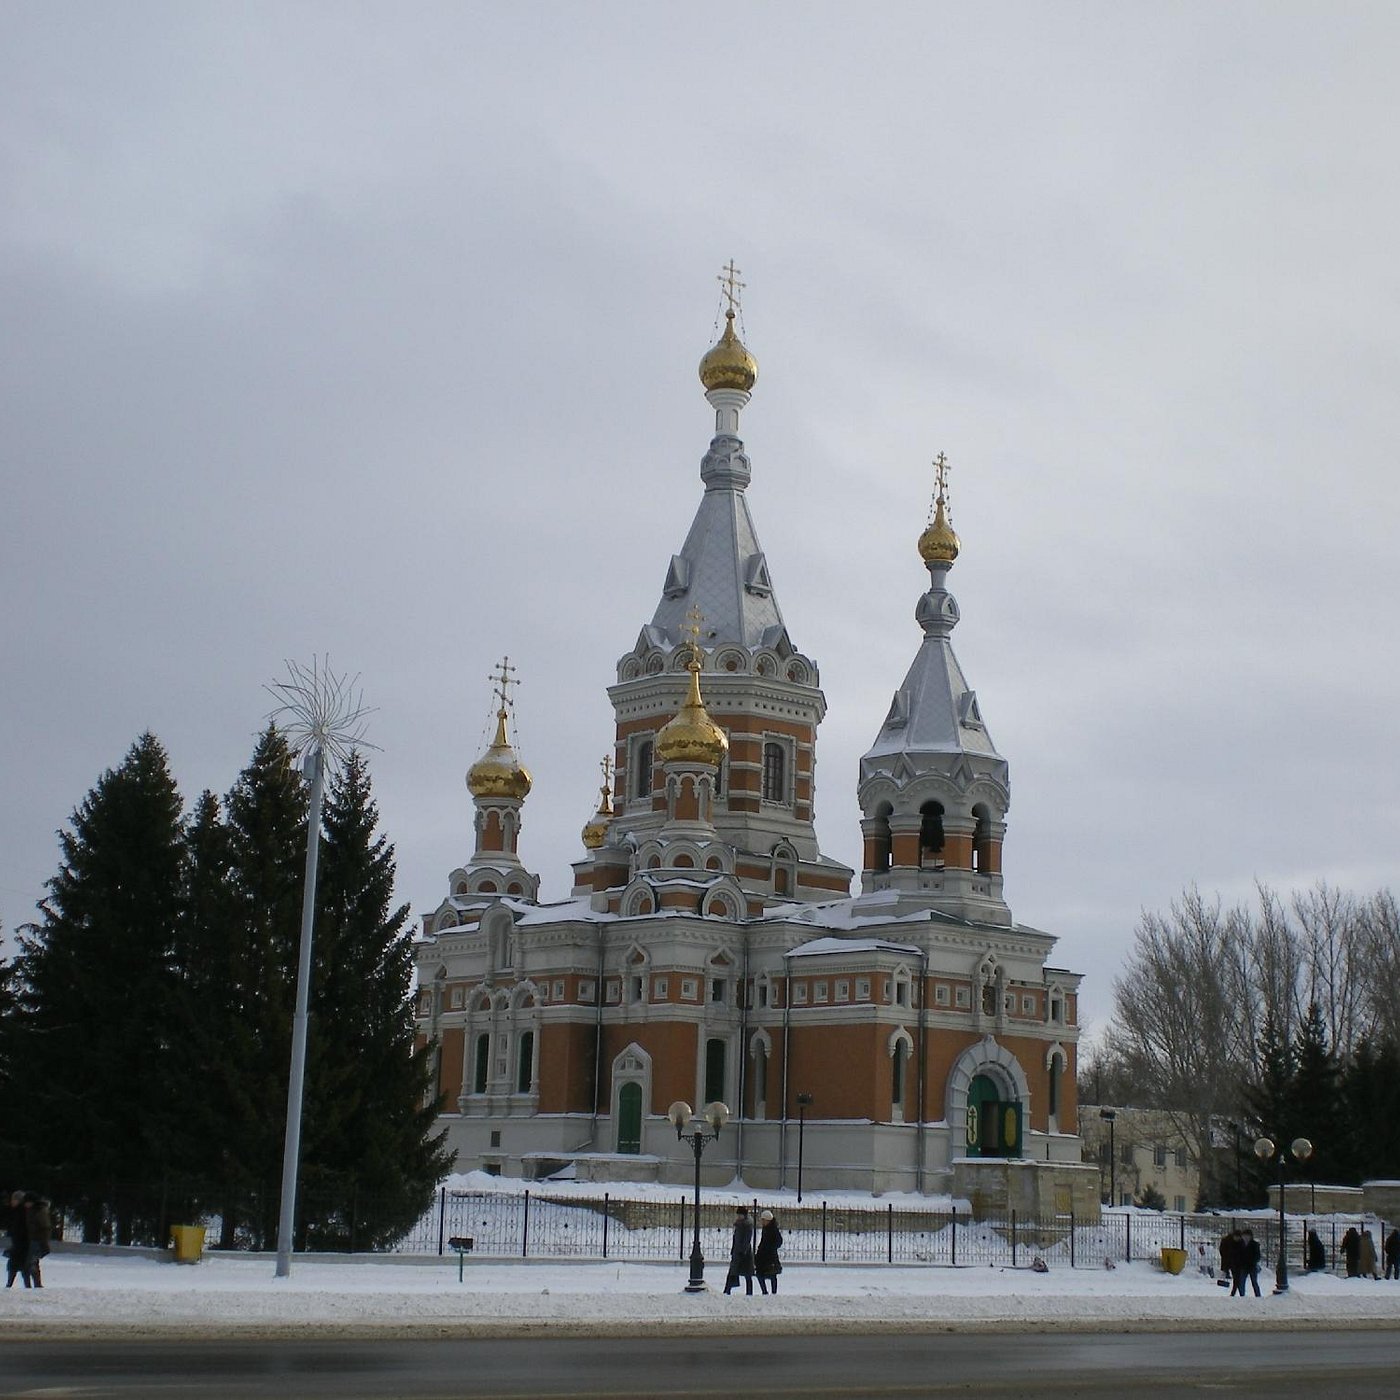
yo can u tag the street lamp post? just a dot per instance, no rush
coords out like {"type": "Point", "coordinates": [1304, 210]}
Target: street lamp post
{"type": "Point", "coordinates": [1300, 1149]}
{"type": "Point", "coordinates": [698, 1131]}
{"type": "Point", "coordinates": [804, 1102]}
{"type": "Point", "coordinates": [1109, 1115]}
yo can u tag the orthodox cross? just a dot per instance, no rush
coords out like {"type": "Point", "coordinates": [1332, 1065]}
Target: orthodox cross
{"type": "Point", "coordinates": [941, 468]}
{"type": "Point", "coordinates": [502, 679]}
{"type": "Point", "coordinates": [606, 789]}
{"type": "Point", "coordinates": [691, 627]}
{"type": "Point", "coordinates": [730, 284]}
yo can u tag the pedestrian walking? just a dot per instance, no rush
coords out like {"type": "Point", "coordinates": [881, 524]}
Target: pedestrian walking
{"type": "Point", "coordinates": [1316, 1258]}
{"type": "Point", "coordinates": [17, 1255]}
{"type": "Point", "coordinates": [766, 1263]}
{"type": "Point", "coordinates": [40, 1234]}
{"type": "Point", "coordinates": [1232, 1261]}
{"type": "Point", "coordinates": [1366, 1257]}
{"type": "Point", "coordinates": [1351, 1251]}
{"type": "Point", "coordinates": [1252, 1255]}
{"type": "Point", "coordinates": [1392, 1254]}
{"type": "Point", "coordinates": [741, 1252]}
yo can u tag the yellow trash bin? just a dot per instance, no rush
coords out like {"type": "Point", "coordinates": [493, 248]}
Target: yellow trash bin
{"type": "Point", "coordinates": [189, 1243]}
{"type": "Point", "coordinates": [1173, 1260]}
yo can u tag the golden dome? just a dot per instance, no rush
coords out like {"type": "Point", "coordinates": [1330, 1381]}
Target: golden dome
{"type": "Point", "coordinates": [595, 831]}
{"type": "Point", "coordinates": [692, 737]}
{"type": "Point", "coordinates": [498, 772]}
{"type": "Point", "coordinates": [727, 365]}
{"type": "Point", "coordinates": [939, 543]}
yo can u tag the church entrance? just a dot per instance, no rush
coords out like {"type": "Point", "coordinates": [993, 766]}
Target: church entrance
{"type": "Point", "coordinates": [629, 1118]}
{"type": "Point", "coordinates": [993, 1123]}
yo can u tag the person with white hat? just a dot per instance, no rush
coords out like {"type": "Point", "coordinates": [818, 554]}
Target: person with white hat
{"type": "Point", "coordinates": [767, 1265]}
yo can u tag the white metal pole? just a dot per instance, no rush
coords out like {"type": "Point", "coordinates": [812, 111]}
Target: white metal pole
{"type": "Point", "coordinates": [292, 1151]}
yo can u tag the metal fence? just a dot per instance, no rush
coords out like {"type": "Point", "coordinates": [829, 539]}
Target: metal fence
{"type": "Point", "coordinates": [547, 1225]}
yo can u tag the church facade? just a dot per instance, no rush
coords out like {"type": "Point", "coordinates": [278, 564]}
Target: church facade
{"type": "Point", "coordinates": [910, 1036]}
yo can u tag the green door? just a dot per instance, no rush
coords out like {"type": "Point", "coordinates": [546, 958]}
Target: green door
{"type": "Point", "coordinates": [629, 1118]}
{"type": "Point", "coordinates": [982, 1122]}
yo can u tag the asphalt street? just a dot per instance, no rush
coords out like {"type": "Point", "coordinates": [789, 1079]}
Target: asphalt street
{"type": "Point", "coordinates": [993, 1366]}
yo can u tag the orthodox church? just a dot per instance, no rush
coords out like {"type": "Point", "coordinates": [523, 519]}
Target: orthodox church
{"type": "Point", "coordinates": [912, 1035]}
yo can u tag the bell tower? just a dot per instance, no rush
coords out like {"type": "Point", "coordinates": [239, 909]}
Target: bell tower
{"type": "Point", "coordinates": [761, 693]}
{"type": "Point", "coordinates": [934, 791]}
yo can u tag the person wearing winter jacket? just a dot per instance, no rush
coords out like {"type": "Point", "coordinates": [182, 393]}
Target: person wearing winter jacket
{"type": "Point", "coordinates": [766, 1263]}
{"type": "Point", "coordinates": [17, 1255]}
{"type": "Point", "coordinates": [40, 1234]}
{"type": "Point", "coordinates": [1392, 1254]}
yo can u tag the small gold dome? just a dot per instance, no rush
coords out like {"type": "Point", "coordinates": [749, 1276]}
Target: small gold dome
{"type": "Point", "coordinates": [727, 365]}
{"type": "Point", "coordinates": [595, 830]}
{"type": "Point", "coordinates": [692, 737]}
{"type": "Point", "coordinates": [498, 772]}
{"type": "Point", "coordinates": [939, 543]}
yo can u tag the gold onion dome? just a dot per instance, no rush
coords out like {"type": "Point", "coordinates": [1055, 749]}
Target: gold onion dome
{"type": "Point", "coordinates": [498, 772]}
{"type": "Point", "coordinates": [595, 830]}
{"type": "Point", "coordinates": [692, 737]}
{"type": "Point", "coordinates": [727, 365]}
{"type": "Point", "coordinates": [939, 543]}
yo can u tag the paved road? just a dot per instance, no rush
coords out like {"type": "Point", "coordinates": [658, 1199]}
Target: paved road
{"type": "Point", "coordinates": [1162, 1366]}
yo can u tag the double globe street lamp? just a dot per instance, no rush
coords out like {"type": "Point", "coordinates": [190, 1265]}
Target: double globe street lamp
{"type": "Point", "coordinates": [1299, 1150]}
{"type": "Point", "coordinates": [699, 1130]}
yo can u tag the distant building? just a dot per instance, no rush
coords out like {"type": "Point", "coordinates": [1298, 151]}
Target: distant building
{"type": "Point", "coordinates": [710, 951]}
{"type": "Point", "coordinates": [1150, 1151]}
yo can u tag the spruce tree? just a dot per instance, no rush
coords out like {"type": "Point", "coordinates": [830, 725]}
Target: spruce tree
{"type": "Point", "coordinates": [1269, 1101]}
{"type": "Point", "coordinates": [1370, 1094]}
{"type": "Point", "coordinates": [1315, 1106]}
{"type": "Point", "coordinates": [95, 1056]}
{"type": "Point", "coordinates": [266, 818]}
{"type": "Point", "coordinates": [370, 1158]}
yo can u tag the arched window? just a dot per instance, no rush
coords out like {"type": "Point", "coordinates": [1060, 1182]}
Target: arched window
{"type": "Point", "coordinates": [931, 834]}
{"type": "Point", "coordinates": [525, 1067]}
{"type": "Point", "coordinates": [774, 773]}
{"type": "Point", "coordinates": [981, 840]}
{"type": "Point", "coordinates": [482, 1067]}
{"type": "Point", "coordinates": [1057, 1065]}
{"type": "Point", "coordinates": [714, 1070]}
{"type": "Point", "coordinates": [760, 1076]}
{"type": "Point", "coordinates": [880, 842]}
{"type": "Point", "coordinates": [898, 1062]}
{"type": "Point", "coordinates": [641, 784]}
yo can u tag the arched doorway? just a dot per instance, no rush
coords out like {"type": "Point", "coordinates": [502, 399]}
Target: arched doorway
{"type": "Point", "coordinates": [993, 1123]}
{"type": "Point", "coordinates": [629, 1118]}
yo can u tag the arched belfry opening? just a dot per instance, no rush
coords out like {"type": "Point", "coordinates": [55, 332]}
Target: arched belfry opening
{"type": "Point", "coordinates": [931, 837]}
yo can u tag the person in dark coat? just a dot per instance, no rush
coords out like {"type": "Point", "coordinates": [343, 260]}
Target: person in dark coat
{"type": "Point", "coordinates": [1351, 1251]}
{"type": "Point", "coordinates": [1315, 1259]}
{"type": "Point", "coordinates": [1366, 1263]}
{"type": "Point", "coordinates": [1392, 1254]}
{"type": "Point", "coordinates": [40, 1234]}
{"type": "Point", "coordinates": [1250, 1255]}
{"type": "Point", "coordinates": [766, 1263]}
{"type": "Point", "coordinates": [741, 1252]}
{"type": "Point", "coordinates": [17, 1256]}
{"type": "Point", "coordinates": [1232, 1261]}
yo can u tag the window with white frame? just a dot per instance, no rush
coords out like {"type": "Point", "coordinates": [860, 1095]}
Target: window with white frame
{"type": "Point", "coordinates": [901, 992]}
{"type": "Point", "coordinates": [587, 990]}
{"type": "Point", "coordinates": [819, 992]}
{"type": "Point", "coordinates": [940, 994]}
{"type": "Point", "coordinates": [690, 989]}
{"type": "Point", "coordinates": [799, 994]}
{"type": "Point", "coordinates": [1009, 1001]}
{"type": "Point", "coordinates": [558, 992]}
{"type": "Point", "coordinates": [638, 986]}
{"type": "Point", "coordinates": [1179, 1205]}
{"type": "Point", "coordinates": [1028, 1006]}
{"type": "Point", "coordinates": [862, 989]}
{"type": "Point", "coordinates": [717, 989]}
{"type": "Point", "coordinates": [456, 998]}
{"type": "Point", "coordinates": [964, 997]}
{"type": "Point", "coordinates": [843, 990]}
{"type": "Point", "coordinates": [614, 989]}
{"type": "Point", "coordinates": [660, 988]}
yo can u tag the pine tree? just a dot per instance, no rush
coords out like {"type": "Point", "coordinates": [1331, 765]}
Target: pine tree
{"type": "Point", "coordinates": [369, 1152]}
{"type": "Point", "coordinates": [1315, 1106]}
{"type": "Point", "coordinates": [266, 818]}
{"type": "Point", "coordinates": [1370, 1094]}
{"type": "Point", "coordinates": [94, 1055]}
{"type": "Point", "coordinates": [1269, 1103]}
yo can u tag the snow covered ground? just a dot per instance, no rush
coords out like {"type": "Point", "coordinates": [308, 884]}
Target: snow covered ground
{"type": "Point", "coordinates": [94, 1295]}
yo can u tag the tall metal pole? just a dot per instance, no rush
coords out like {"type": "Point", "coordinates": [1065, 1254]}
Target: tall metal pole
{"type": "Point", "coordinates": [1112, 1166]}
{"type": "Point", "coordinates": [696, 1283]}
{"type": "Point", "coordinates": [292, 1151]}
{"type": "Point", "coordinates": [803, 1103]}
{"type": "Point", "coordinates": [1281, 1269]}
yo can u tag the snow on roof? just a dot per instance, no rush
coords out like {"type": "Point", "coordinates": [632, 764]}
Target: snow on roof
{"type": "Point", "coordinates": [820, 946]}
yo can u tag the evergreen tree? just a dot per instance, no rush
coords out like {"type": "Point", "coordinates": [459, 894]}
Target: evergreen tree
{"type": "Point", "coordinates": [367, 1142]}
{"type": "Point", "coordinates": [1269, 1104]}
{"type": "Point", "coordinates": [266, 819]}
{"type": "Point", "coordinates": [1314, 1099]}
{"type": "Point", "coordinates": [96, 1088]}
{"type": "Point", "coordinates": [1370, 1093]}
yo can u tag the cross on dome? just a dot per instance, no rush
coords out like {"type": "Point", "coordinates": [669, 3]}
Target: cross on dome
{"type": "Point", "coordinates": [730, 285]}
{"type": "Point", "coordinates": [502, 679]}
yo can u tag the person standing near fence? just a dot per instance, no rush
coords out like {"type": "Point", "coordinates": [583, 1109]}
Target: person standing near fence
{"type": "Point", "coordinates": [1366, 1257]}
{"type": "Point", "coordinates": [40, 1234]}
{"type": "Point", "coordinates": [17, 1256]}
{"type": "Point", "coordinates": [1351, 1251]}
{"type": "Point", "coordinates": [1392, 1254]}
{"type": "Point", "coordinates": [1316, 1260]}
{"type": "Point", "coordinates": [741, 1252]}
{"type": "Point", "coordinates": [766, 1263]}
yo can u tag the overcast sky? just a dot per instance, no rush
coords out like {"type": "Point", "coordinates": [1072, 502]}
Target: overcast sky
{"type": "Point", "coordinates": [371, 330]}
